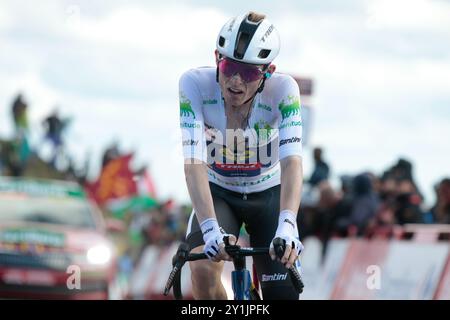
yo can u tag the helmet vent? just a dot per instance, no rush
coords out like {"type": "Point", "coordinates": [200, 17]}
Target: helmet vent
{"type": "Point", "coordinates": [264, 53]}
{"type": "Point", "coordinates": [221, 41]}
{"type": "Point", "coordinates": [242, 45]}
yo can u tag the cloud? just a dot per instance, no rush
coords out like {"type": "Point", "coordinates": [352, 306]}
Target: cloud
{"type": "Point", "coordinates": [381, 75]}
{"type": "Point", "coordinates": [127, 53]}
{"type": "Point", "coordinates": [161, 31]}
{"type": "Point", "coordinates": [409, 15]}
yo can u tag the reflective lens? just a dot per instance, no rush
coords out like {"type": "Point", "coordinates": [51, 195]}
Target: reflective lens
{"type": "Point", "coordinates": [247, 72]}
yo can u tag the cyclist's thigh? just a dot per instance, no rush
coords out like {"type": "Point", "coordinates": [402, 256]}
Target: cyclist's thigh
{"type": "Point", "coordinates": [225, 217]}
{"type": "Point", "coordinates": [261, 225]}
{"type": "Point", "coordinates": [206, 270]}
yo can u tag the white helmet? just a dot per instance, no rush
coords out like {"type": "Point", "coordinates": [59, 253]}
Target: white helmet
{"type": "Point", "coordinates": [247, 41]}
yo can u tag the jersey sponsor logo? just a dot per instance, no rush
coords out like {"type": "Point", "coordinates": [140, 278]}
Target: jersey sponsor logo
{"type": "Point", "coordinates": [290, 108]}
{"type": "Point", "coordinates": [250, 155]}
{"type": "Point", "coordinates": [239, 157]}
{"type": "Point", "coordinates": [243, 166]}
{"type": "Point", "coordinates": [267, 33]}
{"type": "Point", "coordinates": [264, 106]}
{"type": "Point", "coordinates": [189, 125]}
{"type": "Point", "coordinates": [237, 170]}
{"type": "Point", "coordinates": [265, 155]}
{"type": "Point", "coordinates": [190, 142]}
{"type": "Point", "coordinates": [185, 107]}
{"type": "Point", "coordinates": [242, 183]}
{"type": "Point", "coordinates": [274, 277]}
{"type": "Point", "coordinates": [291, 124]}
{"type": "Point", "coordinates": [290, 140]}
{"type": "Point", "coordinates": [210, 101]}
{"type": "Point", "coordinates": [263, 130]}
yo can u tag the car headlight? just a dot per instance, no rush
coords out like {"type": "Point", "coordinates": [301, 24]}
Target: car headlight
{"type": "Point", "coordinates": [100, 254]}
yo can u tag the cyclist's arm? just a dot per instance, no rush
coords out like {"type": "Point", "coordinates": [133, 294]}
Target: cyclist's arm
{"type": "Point", "coordinates": [290, 153]}
{"type": "Point", "coordinates": [291, 183]}
{"type": "Point", "coordinates": [290, 150]}
{"type": "Point", "coordinates": [199, 191]}
{"type": "Point", "coordinates": [194, 147]}
{"type": "Point", "coordinates": [194, 151]}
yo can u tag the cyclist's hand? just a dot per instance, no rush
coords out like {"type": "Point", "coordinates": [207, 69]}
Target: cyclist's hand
{"type": "Point", "coordinates": [287, 230]}
{"type": "Point", "coordinates": [223, 255]}
{"type": "Point", "coordinates": [213, 236]}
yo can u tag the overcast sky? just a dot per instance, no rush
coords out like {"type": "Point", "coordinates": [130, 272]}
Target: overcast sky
{"type": "Point", "coordinates": [381, 71]}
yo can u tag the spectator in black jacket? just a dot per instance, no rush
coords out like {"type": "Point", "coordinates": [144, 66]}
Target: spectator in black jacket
{"type": "Point", "coordinates": [321, 170]}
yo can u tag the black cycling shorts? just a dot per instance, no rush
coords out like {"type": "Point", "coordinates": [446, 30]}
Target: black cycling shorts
{"type": "Point", "coordinates": [259, 212]}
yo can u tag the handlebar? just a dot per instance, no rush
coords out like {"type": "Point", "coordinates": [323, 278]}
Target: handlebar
{"type": "Point", "coordinates": [233, 251]}
{"type": "Point", "coordinates": [279, 247]}
{"type": "Point", "coordinates": [183, 255]}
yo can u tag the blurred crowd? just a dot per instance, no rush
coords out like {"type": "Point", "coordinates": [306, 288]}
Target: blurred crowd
{"type": "Point", "coordinates": [19, 158]}
{"type": "Point", "coordinates": [161, 226]}
{"type": "Point", "coordinates": [160, 223]}
{"type": "Point", "coordinates": [367, 204]}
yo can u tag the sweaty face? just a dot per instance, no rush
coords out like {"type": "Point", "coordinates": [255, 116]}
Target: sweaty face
{"type": "Point", "coordinates": [236, 90]}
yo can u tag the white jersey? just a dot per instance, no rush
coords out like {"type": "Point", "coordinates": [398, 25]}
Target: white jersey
{"type": "Point", "coordinates": [274, 131]}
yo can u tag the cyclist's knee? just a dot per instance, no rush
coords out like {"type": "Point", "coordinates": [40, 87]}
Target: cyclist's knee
{"type": "Point", "coordinates": [206, 278]}
{"type": "Point", "coordinates": [206, 273]}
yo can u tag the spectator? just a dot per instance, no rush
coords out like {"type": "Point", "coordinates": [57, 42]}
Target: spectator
{"type": "Point", "coordinates": [20, 117]}
{"type": "Point", "coordinates": [408, 203]}
{"type": "Point", "coordinates": [365, 204]}
{"type": "Point", "coordinates": [388, 188]}
{"type": "Point", "coordinates": [326, 213]}
{"type": "Point", "coordinates": [111, 153]}
{"type": "Point", "coordinates": [382, 224]}
{"type": "Point", "coordinates": [11, 159]}
{"type": "Point", "coordinates": [385, 217]}
{"type": "Point", "coordinates": [403, 171]}
{"type": "Point", "coordinates": [321, 170]}
{"type": "Point", "coordinates": [440, 212]}
{"type": "Point", "coordinates": [54, 127]}
{"type": "Point", "coordinates": [343, 208]}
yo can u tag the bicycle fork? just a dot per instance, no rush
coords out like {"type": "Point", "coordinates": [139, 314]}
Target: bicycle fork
{"type": "Point", "coordinates": [241, 279]}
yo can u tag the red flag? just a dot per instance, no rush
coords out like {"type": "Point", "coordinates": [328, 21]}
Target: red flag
{"type": "Point", "coordinates": [115, 181]}
{"type": "Point", "coordinates": [146, 185]}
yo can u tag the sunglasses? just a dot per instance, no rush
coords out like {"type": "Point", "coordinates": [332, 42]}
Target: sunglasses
{"type": "Point", "coordinates": [248, 72]}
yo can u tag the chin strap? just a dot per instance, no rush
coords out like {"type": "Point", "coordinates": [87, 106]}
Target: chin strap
{"type": "Point", "coordinates": [251, 98]}
{"type": "Point", "coordinates": [261, 86]}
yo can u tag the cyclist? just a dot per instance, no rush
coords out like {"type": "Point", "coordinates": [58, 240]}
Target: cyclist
{"type": "Point", "coordinates": [242, 134]}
